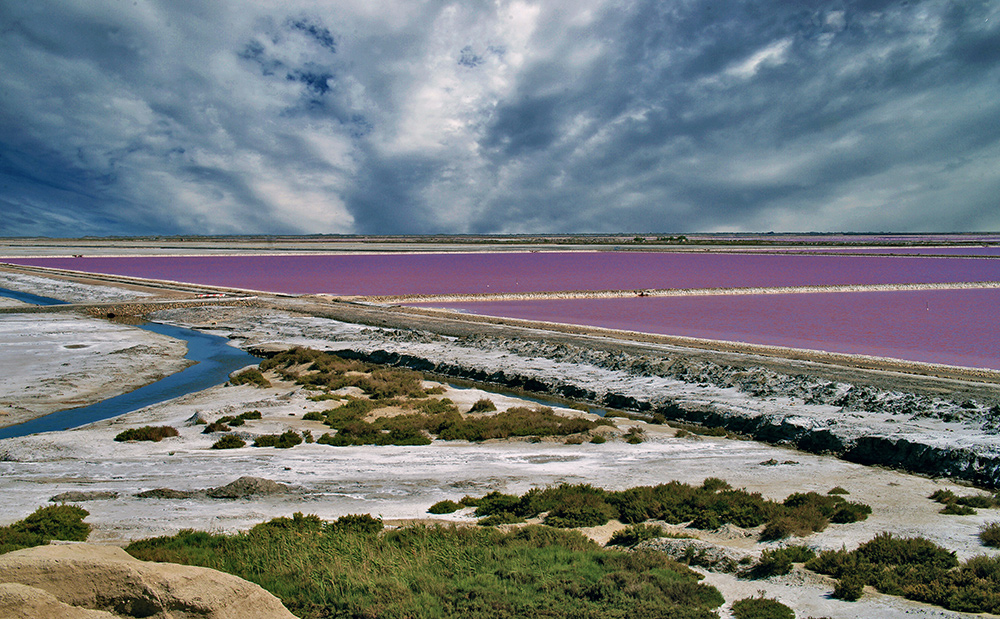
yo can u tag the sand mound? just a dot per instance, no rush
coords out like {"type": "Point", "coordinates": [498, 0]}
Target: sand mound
{"type": "Point", "coordinates": [106, 578]}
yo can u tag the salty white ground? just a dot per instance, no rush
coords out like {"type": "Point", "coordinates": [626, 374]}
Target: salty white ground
{"type": "Point", "coordinates": [64, 290]}
{"type": "Point", "coordinates": [51, 362]}
{"type": "Point", "coordinates": [400, 483]}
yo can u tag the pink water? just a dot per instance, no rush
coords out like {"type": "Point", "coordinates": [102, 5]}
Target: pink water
{"type": "Point", "coordinates": [955, 327]}
{"type": "Point", "coordinates": [393, 274]}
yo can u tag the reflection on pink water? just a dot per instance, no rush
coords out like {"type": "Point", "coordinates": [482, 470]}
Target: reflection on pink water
{"type": "Point", "coordinates": [955, 327]}
{"type": "Point", "coordinates": [390, 274]}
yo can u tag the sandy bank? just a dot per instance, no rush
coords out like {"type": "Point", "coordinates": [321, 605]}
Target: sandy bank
{"type": "Point", "coordinates": [55, 361]}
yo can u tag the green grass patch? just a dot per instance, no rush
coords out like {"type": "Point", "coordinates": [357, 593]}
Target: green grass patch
{"type": "Point", "coordinates": [761, 608]}
{"type": "Point", "coordinates": [483, 405]}
{"type": "Point", "coordinates": [708, 506]}
{"type": "Point", "coordinates": [917, 569]}
{"type": "Point", "coordinates": [444, 507]}
{"type": "Point", "coordinates": [62, 522]}
{"type": "Point", "coordinates": [989, 534]}
{"type": "Point", "coordinates": [147, 433]}
{"type": "Point", "coordinates": [229, 441]}
{"type": "Point", "coordinates": [285, 440]}
{"type": "Point", "coordinates": [249, 376]}
{"type": "Point", "coordinates": [322, 570]}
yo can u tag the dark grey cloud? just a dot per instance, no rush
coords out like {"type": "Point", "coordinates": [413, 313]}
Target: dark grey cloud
{"type": "Point", "coordinates": [518, 116]}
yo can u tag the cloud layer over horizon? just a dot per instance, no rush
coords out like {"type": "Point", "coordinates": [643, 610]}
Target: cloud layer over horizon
{"type": "Point", "coordinates": [362, 116]}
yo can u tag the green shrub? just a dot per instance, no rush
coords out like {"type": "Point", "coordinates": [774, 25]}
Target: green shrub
{"type": "Point", "coordinates": [761, 608]}
{"type": "Point", "coordinates": [779, 561]}
{"type": "Point", "coordinates": [216, 426]}
{"type": "Point", "coordinates": [313, 416]}
{"type": "Point", "coordinates": [635, 533]}
{"type": "Point", "coordinates": [62, 522]}
{"type": "Point", "coordinates": [713, 484]}
{"type": "Point", "coordinates": [989, 534]}
{"type": "Point", "coordinates": [944, 496]}
{"type": "Point", "coordinates": [444, 507]}
{"type": "Point", "coordinates": [976, 500]}
{"type": "Point", "coordinates": [955, 509]}
{"type": "Point", "coordinates": [849, 588]}
{"type": "Point", "coordinates": [147, 433]}
{"type": "Point", "coordinates": [483, 405]}
{"type": "Point", "coordinates": [500, 518]}
{"type": "Point", "coordinates": [837, 490]}
{"type": "Point", "coordinates": [362, 524]}
{"type": "Point", "coordinates": [597, 439]}
{"type": "Point", "coordinates": [229, 441]}
{"type": "Point", "coordinates": [285, 440]}
{"type": "Point", "coordinates": [634, 435]}
{"type": "Point", "coordinates": [249, 376]}
{"type": "Point", "coordinates": [251, 415]}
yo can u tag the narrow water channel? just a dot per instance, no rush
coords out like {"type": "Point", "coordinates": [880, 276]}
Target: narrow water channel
{"type": "Point", "coordinates": [215, 360]}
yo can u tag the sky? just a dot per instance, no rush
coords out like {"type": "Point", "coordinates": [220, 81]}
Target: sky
{"type": "Point", "coordinates": [145, 117]}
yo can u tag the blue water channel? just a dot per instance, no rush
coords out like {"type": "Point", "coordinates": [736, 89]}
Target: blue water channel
{"type": "Point", "coordinates": [215, 360]}
{"type": "Point", "coordinates": [27, 297]}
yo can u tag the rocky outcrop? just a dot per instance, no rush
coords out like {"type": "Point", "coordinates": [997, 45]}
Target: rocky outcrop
{"type": "Point", "coordinates": [242, 488]}
{"type": "Point", "coordinates": [90, 581]}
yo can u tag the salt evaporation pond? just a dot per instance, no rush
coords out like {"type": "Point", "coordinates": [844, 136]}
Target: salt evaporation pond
{"type": "Point", "coordinates": [954, 327]}
{"type": "Point", "coordinates": [471, 273]}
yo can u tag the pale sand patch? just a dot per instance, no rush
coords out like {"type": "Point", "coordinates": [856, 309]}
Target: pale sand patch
{"type": "Point", "coordinates": [50, 362]}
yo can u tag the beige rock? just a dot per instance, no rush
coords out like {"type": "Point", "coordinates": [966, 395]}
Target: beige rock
{"type": "Point", "coordinates": [23, 602]}
{"type": "Point", "coordinates": [109, 579]}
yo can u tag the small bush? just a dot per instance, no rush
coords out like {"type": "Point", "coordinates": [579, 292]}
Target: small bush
{"type": "Point", "coordinates": [761, 608]}
{"type": "Point", "coordinates": [229, 441]}
{"type": "Point", "coordinates": [955, 509]}
{"type": "Point", "coordinates": [635, 533]}
{"type": "Point", "coordinates": [634, 435]}
{"type": "Point", "coordinates": [779, 562]}
{"type": "Point", "coordinates": [837, 490]}
{"type": "Point", "coordinates": [249, 376]}
{"type": "Point", "coordinates": [976, 500]}
{"type": "Point", "coordinates": [444, 507]}
{"type": "Point", "coordinates": [714, 484]}
{"type": "Point", "coordinates": [483, 405]}
{"type": "Point", "coordinates": [216, 426]}
{"type": "Point", "coordinates": [849, 588]}
{"type": "Point", "coordinates": [147, 433]}
{"type": "Point", "coordinates": [251, 415]}
{"type": "Point", "coordinates": [500, 518]}
{"type": "Point", "coordinates": [597, 439]}
{"type": "Point", "coordinates": [285, 440]}
{"type": "Point", "coordinates": [357, 523]}
{"type": "Point", "coordinates": [313, 416]}
{"type": "Point", "coordinates": [989, 535]}
{"type": "Point", "coordinates": [943, 496]}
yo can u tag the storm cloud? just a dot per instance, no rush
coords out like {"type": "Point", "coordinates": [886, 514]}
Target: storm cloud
{"type": "Point", "coordinates": [179, 117]}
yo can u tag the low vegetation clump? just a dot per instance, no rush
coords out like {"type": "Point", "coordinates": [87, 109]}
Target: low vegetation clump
{"type": "Point", "coordinates": [483, 405]}
{"type": "Point", "coordinates": [989, 535]}
{"type": "Point", "coordinates": [228, 422]}
{"type": "Point", "coordinates": [635, 533]}
{"type": "Point", "coordinates": [837, 490]}
{"type": "Point", "coordinates": [249, 376]}
{"type": "Point", "coordinates": [708, 506]}
{"type": "Point", "coordinates": [229, 441]}
{"type": "Point", "coordinates": [285, 440]}
{"type": "Point", "coordinates": [329, 569]}
{"type": "Point", "coordinates": [963, 505]}
{"type": "Point", "coordinates": [779, 562]}
{"type": "Point", "coordinates": [62, 522]}
{"type": "Point", "coordinates": [634, 435]}
{"type": "Point", "coordinates": [917, 569]}
{"type": "Point", "coordinates": [147, 433]}
{"type": "Point", "coordinates": [445, 507]}
{"type": "Point", "coordinates": [761, 608]}
{"type": "Point", "coordinates": [388, 387]}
